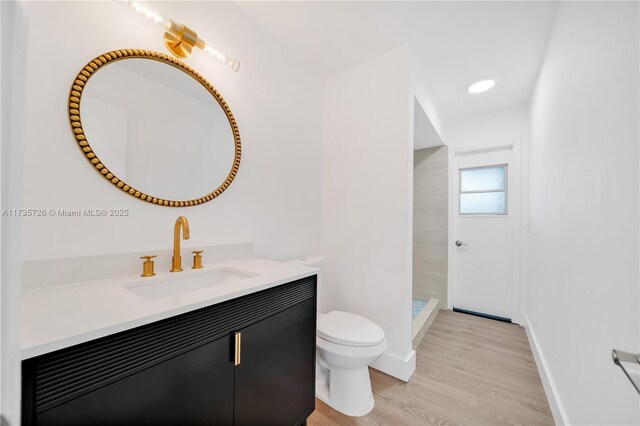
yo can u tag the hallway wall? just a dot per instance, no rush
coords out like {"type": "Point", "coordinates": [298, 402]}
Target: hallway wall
{"type": "Point", "coordinates": [583, 295]}
{"type": "Point", "coordinates": [430, 223]}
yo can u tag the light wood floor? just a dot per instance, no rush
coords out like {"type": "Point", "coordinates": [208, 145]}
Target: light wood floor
{"type": "Point", "coordinates": [470, 371]}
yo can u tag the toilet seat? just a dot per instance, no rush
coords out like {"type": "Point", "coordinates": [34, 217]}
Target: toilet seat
{"type": "Point", "coordinates": [351, 351]}
{"type": "Point", "coordinates": [344, 328]}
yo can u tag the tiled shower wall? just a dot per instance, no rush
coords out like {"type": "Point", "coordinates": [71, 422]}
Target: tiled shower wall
{"type": "Point", "coordinates": [430, 210]}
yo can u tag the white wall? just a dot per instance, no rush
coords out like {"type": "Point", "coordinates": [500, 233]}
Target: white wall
{"type": "Point", "coordinates": [425, 134]}
{"type": "Point", "coordinates": [367, 200]}
{"type": "Point", "coordinates": [12, 87]}
{"type": "Point", "coordinates": [424, 96]}
{"type": "Point", "coordinates": [274, 200]}
{"type": "Point", "coordinates": [583, 298]}
{"type": "Point", "coordinates": [493, 127]}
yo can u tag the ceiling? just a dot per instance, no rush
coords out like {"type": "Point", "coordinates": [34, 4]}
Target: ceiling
{"type": "Point", "coordinates": [456, 43]}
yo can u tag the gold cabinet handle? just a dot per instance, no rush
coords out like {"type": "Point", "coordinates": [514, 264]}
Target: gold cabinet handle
{"type": "Point", "coordinates": [238, 349]}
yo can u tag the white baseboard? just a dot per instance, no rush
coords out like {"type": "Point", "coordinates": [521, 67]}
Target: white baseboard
{"type": "Point", "coordinates": [395, 366]}
{"type": "Point", "coordinates": [550, 389]}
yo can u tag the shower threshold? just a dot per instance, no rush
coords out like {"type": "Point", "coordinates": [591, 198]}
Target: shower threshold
{"type": "Point", "coordinates": [423, 319]}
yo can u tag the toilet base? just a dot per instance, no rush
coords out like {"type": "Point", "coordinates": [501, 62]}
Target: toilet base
{"type": "Point", "coordinates": [347, 391]}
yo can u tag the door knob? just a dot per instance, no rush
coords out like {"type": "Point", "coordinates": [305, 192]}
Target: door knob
{"type": "Point", "coordinates": [460, 243]}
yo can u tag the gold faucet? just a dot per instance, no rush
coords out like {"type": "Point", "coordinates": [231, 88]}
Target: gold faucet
{"type": "Point", "coordinates": [176, 260]}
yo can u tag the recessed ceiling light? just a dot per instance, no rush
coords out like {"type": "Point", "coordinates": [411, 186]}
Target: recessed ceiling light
{"type": "Point", "coordinates": [481, 86]}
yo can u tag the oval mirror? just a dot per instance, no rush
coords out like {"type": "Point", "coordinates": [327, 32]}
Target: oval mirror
{"type": "Point", "coordinates": [154, 128]}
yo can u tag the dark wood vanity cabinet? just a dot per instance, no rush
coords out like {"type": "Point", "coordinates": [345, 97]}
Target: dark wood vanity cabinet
{"type": "Point", "coordinates": [182, 370]}
{"type": "Point", "coordinates": [195, 388]}
{"type": "Point", "coordinates": [273, 383]}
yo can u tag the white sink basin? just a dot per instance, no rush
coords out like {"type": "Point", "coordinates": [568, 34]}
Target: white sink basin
{"type": "Point", "coordinates": [170, 286]}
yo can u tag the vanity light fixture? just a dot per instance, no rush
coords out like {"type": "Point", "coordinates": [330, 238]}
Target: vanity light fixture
{"type": "Point", "coordinates": [481, 86]}
{"type": "Point", "coordinates": [178, 38]}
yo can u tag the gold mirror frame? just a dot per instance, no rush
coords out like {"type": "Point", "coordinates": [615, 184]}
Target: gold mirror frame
{"type": "Point", "coordinates": [75, 97]}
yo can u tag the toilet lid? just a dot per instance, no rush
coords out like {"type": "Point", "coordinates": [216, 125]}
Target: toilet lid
{"type": "Point", "coordinates": [349, 329]}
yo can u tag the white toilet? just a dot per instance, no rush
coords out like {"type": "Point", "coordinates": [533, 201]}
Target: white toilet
{"type": "Point", "coordinates": [346, 344]}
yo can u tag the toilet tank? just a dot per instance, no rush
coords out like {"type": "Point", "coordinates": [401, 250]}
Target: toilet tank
{"type": "Point", "coordinates": [312, 261]}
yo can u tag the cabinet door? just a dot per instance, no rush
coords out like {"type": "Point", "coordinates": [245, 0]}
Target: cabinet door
{"type": "Point", "coordinates": [275, 380]}
{"type": "Point", "coordinates": [195, 388]}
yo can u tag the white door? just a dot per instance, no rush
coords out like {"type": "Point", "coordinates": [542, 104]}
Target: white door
{"type": "Point", "coordinates": [484, 212]}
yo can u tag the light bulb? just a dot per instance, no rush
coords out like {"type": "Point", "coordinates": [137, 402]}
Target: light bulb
{"type": "Point", "coordinates": [214, 53]}
{"type": "Point", "coordinates": [234, 64]}
{"type": "Point", "coordinates": [147, 12]}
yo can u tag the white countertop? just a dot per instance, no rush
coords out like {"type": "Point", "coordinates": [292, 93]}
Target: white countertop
{"type": "Point", "coordinates": [59, 317]}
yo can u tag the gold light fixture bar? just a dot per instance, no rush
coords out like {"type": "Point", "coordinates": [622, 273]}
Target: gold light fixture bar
{"type": "Point", "coordinates": [178, 38]}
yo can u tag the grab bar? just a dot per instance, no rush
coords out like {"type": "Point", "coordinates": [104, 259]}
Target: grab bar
{"type": "Point", "coordinates": [619, 357]}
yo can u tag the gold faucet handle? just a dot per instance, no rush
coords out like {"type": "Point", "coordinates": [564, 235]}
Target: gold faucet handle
{"type": "Point", "coordinates": [147, 266]}
{"type": "Point", "coordinates": [197, 259]}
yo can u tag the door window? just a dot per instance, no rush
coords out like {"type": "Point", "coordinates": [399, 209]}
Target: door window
{"type": "Point", "coordinates": [483, 190]}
